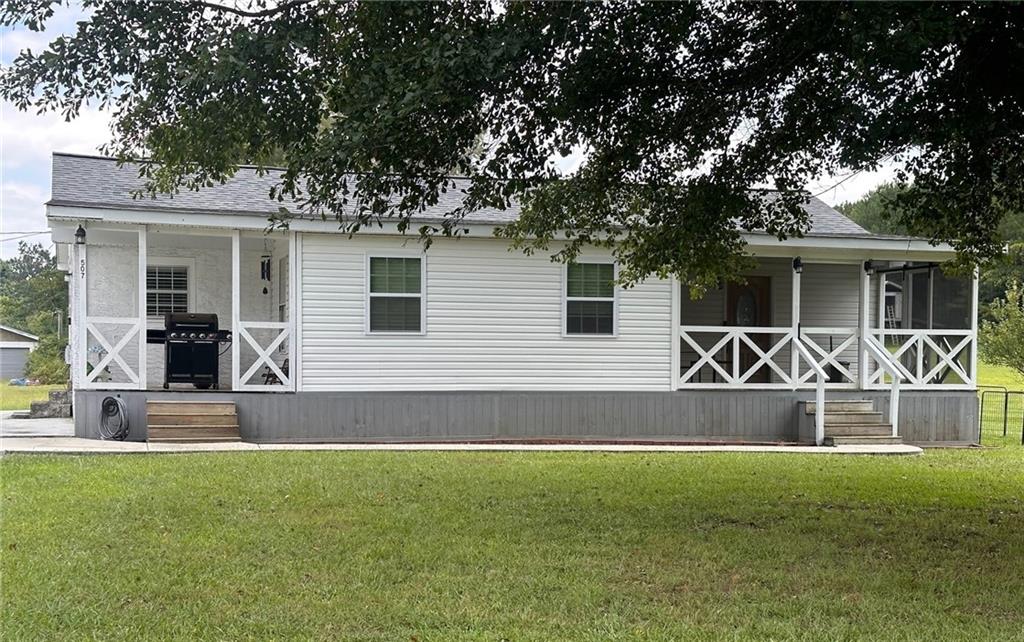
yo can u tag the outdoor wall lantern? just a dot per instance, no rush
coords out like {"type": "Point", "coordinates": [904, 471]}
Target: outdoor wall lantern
{"type": "Point", "coordinates": [80, 236]}
{"type": "Point", "coordinates": [798, 265]}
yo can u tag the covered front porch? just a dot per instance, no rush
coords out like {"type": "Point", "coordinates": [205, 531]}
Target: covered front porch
{"type": "Point", "coordinates": [144, 272]}
{"type": "Point", "coordinates": [850, 325]}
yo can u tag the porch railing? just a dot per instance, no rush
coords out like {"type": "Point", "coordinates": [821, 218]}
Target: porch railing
{"type": "Point", "coordinates": [819, 394]}
{"type": "Point", "coordinates": [728, 371]}
{"type": "Point", "coordinates": [769, 351]}
{"type": "Point", "coordinates": [887, 364]}
{"type": "Point", "coordinates": [928, 358]}
{"type": "Point", "coordinates": [741, 357]}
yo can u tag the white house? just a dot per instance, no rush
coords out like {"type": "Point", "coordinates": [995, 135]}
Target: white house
{"type": "Point", "coordinates": [370, 338]}
{"type": "Point", "coordinates": [15, 346]}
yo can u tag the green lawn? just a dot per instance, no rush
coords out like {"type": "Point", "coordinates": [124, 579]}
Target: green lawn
{"type": "Point", "coordinates": [993, 410]}
{"type": "Point", "coordinates": [516, 546]}
{"type": "Point", "coordinates": [21, 397]}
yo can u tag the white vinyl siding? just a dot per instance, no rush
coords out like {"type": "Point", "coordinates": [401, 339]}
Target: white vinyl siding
{"type": "Point", "coordinates": [493, 321]}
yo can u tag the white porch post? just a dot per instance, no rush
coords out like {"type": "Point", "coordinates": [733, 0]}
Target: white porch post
{"type": "Point", "coordinates": [974, 329]}
{"type": "Point", "coordinates": [674, 337]}
{"type": "Point", "coordinates": [236, 293]}
{"type": "Point", "coordinates": [143, 249]}
{"type": "Point", "coordinates": [292, 309]}
{"type": "Point", "coordinates": [865, 322]}
{"type": "Point", "coordinates": [794, 355]}
{"type": "Point", "coordinates": [81, 310]}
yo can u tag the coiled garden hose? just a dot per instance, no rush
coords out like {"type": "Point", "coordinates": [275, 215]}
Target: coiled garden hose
{"type": "Point", "coordinates": [113, 419]}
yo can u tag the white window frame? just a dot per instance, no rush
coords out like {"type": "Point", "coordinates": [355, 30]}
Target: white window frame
{"type": "Point", "coordinates": [422, 295]}
{"type": "Point", "coordinates": [564, 321]}
{"type": "Point", "coordinates": [170, 261]}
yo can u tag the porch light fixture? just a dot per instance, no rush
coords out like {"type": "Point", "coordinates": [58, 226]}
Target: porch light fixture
{"type": "Point", "coordinates": [869, 267]}
{"type": "Point", "coordinates": [798, 265]}
{"type": "Point", "coordinates": [80, 236]}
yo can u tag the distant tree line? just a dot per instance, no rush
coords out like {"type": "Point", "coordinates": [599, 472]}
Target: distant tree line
{"type": "Point", "coordinates": [34, 298]}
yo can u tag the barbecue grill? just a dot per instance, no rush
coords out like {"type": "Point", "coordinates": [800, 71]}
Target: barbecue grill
{"type": "Point", "coordinates": [191, 348]}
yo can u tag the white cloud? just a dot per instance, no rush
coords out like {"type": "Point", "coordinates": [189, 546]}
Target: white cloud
{"type": "Point", "coordinates": [21, 210]}
{"type": "Point", "coordinates": [27, 138]}
{"type": "Point", "coordinates": [843, 188]}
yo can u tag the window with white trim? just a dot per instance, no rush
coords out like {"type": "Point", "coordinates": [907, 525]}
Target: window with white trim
{"type": "Point", "coordinates": [166, 289]}
{"type": "Point", "coordinates": [590, 298]}
{"type": "Point", "coordinates": [395, 294]}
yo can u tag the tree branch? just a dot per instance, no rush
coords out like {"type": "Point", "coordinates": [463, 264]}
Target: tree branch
{"type": "Point", "coordinates": [263, 13]}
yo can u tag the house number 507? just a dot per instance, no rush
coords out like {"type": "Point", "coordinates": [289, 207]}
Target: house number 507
{"type": "Point", "coordinates": [81, 268]}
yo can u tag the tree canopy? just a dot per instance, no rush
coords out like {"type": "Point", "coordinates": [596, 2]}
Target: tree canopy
{"type": "Point", "coordinates": [677, 111]}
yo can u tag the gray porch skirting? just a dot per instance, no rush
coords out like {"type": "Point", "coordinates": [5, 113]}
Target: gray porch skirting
{"type": "Point", "coordinates": [684, 416]}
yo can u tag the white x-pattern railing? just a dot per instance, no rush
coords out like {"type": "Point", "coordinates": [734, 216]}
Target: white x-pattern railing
{"type": "Point", "coordinates": [264, 354]}
{"type": "Point", "coordinates": [926, 358]}
{"type": "Point", "coordinates": [840, 341]}
{"type": "Point", "coordinates": [111, 350]}
{"type": "Point", "coordinates": [731, 340]}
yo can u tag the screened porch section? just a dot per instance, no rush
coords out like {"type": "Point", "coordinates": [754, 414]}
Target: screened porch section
{"type": "Point", "coordinates": [791, 321]}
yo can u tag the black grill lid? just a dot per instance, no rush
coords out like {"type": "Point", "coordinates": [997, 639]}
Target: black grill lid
{"type": "Point", "coordinates": [190, 321]}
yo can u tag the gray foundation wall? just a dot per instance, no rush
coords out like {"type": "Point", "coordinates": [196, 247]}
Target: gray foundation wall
{"type": "Point", "coordinates": [686, 415]}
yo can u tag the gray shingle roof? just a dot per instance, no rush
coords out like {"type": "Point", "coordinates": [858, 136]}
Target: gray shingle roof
{"type": "Point", "coordinates": [91, 181]}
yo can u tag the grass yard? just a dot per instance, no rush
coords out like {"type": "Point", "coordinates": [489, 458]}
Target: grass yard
{"type": "Point", "coordinates": [515, 546]}
{"type": "Point", "coordinates": [21, 397]}
{"type": "Point", "coordinates": [993, 410]}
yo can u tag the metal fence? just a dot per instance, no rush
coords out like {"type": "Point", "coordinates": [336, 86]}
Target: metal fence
{"type": "Point", "coordinates": [1002, 416]}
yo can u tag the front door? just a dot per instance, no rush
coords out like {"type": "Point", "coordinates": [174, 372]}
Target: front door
{"type": "Point", "coordinates": [749, 304]}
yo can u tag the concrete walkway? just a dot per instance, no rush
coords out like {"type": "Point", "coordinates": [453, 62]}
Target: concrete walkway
{"type": "Point", "coordinates": [94, 446]}
{"type": "Point", "coordinates": [54, 427]}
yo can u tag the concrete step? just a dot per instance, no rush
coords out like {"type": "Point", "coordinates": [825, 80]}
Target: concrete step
{"type": "Point", "coordinates": [851, 417]}
{"type": "Point", "coordinates": [844, 405]}
{"type": "Point", "coordinates": [193, 433]}
{"type": "Point", "coordinates": [155, 419]}
{"type": "Point", "coordinates": [858, 430]}
{"type": "Point", "coordinates": [862, 440]}
{"type": "Point", "coordinates": [190, 408]}
{"type": "Point", "coordinates": [195, 440]}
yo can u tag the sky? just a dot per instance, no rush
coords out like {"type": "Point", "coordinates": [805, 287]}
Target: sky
{"type": "Point", "coordinates": [27, 139]}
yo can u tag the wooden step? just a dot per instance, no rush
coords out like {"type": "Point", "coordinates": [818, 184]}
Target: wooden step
{"type": "Point", "coordinates": [862, 440]}
{"type": "Point", "coordinates": [851, 417]}
{"type": "Point", "coordinates": [196, 421]}
{"type": "Point", "coordinates": [855, 430]}
{"type": "Point", "coordinates": [192, 420]}
{"type": "Point", "coordinates": [841, 405]}
{"type": "Point", "coordinates": [190, 408]}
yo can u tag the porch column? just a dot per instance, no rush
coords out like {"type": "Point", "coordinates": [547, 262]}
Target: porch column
{"type": "Point", "coordinates": [81, 282]}
{"type": "Point", "coordinates": [143, 259]}
{"type": "Point", "coordinates": [236, 293]}
{"type": "Point", "coordinates": [794, 355]}
{"type": "Point", "coordinates": [674, 337]}
{"type": "Point", "coordinates": [865, 321]}
{"type": "Point", "coordinates": [974, 329]}
{"type": "Point", "coordinates": [293, 298]}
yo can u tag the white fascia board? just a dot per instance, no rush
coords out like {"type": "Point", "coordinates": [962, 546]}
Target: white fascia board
{"type": "Point", "coordinates": [64, 220]}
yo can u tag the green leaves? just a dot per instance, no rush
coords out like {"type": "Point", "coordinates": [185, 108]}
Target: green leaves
{"type": "Point", "coordinates": [677, 111]}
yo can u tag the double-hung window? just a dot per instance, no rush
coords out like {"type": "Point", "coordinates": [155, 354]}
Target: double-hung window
{"type": "Point", "coordinates": [590, 298]}
{"type": "Point", "coordinates": [166, 289]}
{"type": "Point", "coordinates": [395, 294]}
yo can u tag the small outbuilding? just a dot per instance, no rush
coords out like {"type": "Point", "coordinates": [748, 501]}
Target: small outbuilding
{"type": "Point", "coordinates": [15, 346]}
